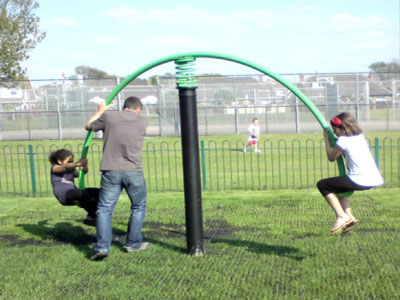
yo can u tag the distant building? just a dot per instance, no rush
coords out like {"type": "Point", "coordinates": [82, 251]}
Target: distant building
{"type": "Point", "coordinates": [351, 86]}
{"type": "Point", "coordinates": [17, 96]}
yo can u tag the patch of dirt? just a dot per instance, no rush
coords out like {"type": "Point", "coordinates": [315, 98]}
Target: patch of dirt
{"type": "Point", "coordinates": [305, 236]}
{"type": "Point", "coordinates": [9, 238]}
{"type": "Point", "coordinates": [375, 230]}
{"type": "Point", "coordinates": [167, 230]}
{"type": "Point", "coordinates": [15, 241]}
{"type": "Point", "coordinates": [68, 234]}
{"type": "Point", "coordinates": [211, 229]}
{"type": "Point", "coordinates": [58, 238]}
{"type": "Point", "coordinates": [218, 228]}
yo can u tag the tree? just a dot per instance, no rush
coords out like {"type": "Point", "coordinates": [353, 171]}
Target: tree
{"type": "Point", "coordinates": [91, 76]}
{"type": "Point", "coordinates": [92, 73]}
{"type": "Point", "coordinates": [19, 33]}
{"type": "Point", "coordinates": [386, 71]}
{"type": "Point", "coordinates": [155, 79]}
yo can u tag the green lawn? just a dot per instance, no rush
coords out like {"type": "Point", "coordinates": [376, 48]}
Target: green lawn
{"type": "Point", "coordinates": [259, 245]}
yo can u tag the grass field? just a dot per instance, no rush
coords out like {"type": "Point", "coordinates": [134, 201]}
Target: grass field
{"type": "Point", "coordinates": [259, 245]}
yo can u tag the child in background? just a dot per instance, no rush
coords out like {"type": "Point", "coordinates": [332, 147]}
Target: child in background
{"type": "Point", "coordinates": [363, 172]}
{"type": "Point", "coordinates": [63, 171]}
{"type": "Point", "coordinates": [253, 134]}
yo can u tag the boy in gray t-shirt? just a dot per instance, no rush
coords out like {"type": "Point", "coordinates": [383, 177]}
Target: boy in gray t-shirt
{"type": "Point", "coordinates": [121, 168]}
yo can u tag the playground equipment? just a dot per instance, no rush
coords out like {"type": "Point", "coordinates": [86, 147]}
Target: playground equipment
{"type": "Point", "coordinates": [186, 84]}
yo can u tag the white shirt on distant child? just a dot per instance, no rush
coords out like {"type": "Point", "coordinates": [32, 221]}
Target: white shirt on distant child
{"type": "Point", "coordinates": [360, 163]}
{"type": "Point", "coordinates": [253, 132]}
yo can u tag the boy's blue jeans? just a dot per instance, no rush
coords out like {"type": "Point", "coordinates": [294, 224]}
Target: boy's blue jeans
{"type": "Point", "coordinates": [112, 183]}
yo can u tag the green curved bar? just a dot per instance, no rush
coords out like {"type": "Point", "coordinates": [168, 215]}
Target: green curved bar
{"type": "Point", "coordinates": [314, 110]}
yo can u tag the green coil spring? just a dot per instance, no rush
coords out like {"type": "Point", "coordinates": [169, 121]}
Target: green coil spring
{"type": "Point", "coordinates": [185, 77]}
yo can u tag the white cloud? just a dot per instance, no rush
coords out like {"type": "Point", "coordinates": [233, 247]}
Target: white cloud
{"type": "Point", "coordinates": [371, 45]}
{"type": "Point", "coordinates": [82, 56]}
{"type": "Point", "coordinates": [169, 16]}
{"type": "Point", "coordinates": [188, 17]}
{"type": "Point", "coordinates": [106, 39]}
{"type": "Point", "coordinates": [355, 35]}
{"type": "Point", "coordinates": [347, 22]}
{"type": "Point", "coordinates": [177, 41]}
{"type": "Point", "coordinates": [59, 22]}
{"type": "Point", "coordinates": [261, 34]}
{"type": "Point", "coordinates": [122, 12]}
{"type": "Point", "coordinates": [285, 39]}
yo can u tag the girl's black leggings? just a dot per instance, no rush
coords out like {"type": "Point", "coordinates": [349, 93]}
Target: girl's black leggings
{"type": "Point", "coordinates": [86, 199]}
{"type": "Point", "coordinates": [339, 185]}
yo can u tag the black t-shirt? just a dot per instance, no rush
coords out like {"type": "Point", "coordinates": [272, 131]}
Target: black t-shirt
{"type": "Point", "coordinates": [62, 183]}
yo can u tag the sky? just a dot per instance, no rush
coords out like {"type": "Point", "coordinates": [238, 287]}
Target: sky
{"type": "Point", "coordinates": [289, 36]}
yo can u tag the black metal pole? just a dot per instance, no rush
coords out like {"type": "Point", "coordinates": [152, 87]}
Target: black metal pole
{"type": "Point", "coordinates": [191, 170]}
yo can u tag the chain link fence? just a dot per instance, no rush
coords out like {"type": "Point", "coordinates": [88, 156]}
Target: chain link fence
{"type": "Point", "coordinates": [58, 109]}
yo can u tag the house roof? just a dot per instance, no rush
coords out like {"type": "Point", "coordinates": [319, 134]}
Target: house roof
{"type": "Point", "coordinates": [225, 79]}
{"type": "Point", "coordinates": [351, 84]}
{"type": "Point", "coordinates": [17, 92]}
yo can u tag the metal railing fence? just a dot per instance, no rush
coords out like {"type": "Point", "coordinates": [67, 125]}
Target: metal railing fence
{"type": "Point", "coordinates": [282, 164]}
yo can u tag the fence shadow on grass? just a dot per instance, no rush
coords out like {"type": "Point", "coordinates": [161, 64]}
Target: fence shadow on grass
{"type": "Point", "coordinates": [66, 233]}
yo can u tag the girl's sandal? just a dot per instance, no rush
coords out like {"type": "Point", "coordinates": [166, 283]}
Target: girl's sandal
{"type": "Point", "coordinates": [349, 226]}
{"type": "Point", "coordinates": [337, 228]}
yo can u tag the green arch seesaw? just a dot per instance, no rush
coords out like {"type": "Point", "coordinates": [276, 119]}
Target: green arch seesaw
{"type": "Point", "coordinates": [314, 110]}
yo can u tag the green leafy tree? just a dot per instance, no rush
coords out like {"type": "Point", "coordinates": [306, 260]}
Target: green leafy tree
{"type": "Point", "coordinates": [386, 71]}
{"type": "Point", "coordinates": [155, 79]}
{"type": "Point", "coordinates": [19, 33]}
{"type": "Point", "coordinates": [92, 73]}
{"type": "Point", "coordinates": [92, 76]}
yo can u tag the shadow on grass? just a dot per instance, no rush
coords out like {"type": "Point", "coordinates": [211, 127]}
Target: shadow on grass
{"type": "Point", "coordinates": [289, 252]}
{"type": "Point", "coordinates": [64, 233]}
{"type": "Point", "coordinates": [159, 231]}
{"type": "Point", "coordinates": [166, 245]}
{"type": "Point", "coordinates": [284, 251]}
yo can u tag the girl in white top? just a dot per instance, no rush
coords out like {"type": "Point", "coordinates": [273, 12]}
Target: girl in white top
{"type": "Point", "coordinates": [253, 134]}
{"type": "Point", "coordinates": [363, 172]}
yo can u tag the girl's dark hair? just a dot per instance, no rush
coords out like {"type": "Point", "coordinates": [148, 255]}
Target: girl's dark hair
{"type": "Point", "coordinates": [59, 155]}
{"type": "Point", "coordinates": [349, 124]}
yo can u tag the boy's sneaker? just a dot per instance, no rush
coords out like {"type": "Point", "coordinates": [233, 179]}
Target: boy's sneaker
{"type": "Point", "coordinates": [143, 246]}
{"type": "Point", "coordinates": [98, 255]}
{"type": "Point", "coordinates": [257, 150]}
